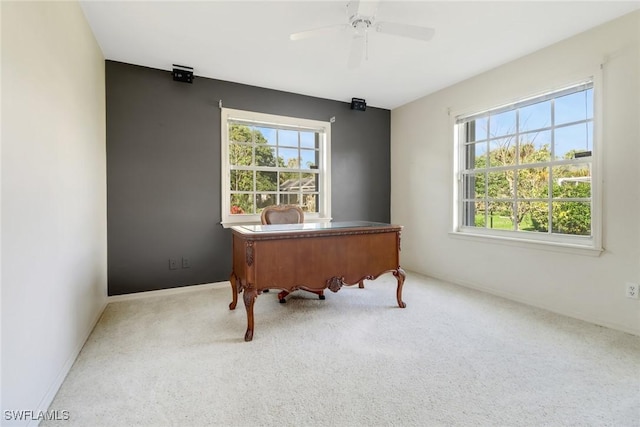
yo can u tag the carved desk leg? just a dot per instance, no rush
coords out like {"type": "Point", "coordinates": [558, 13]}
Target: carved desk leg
{"type": "Point", "coordinates": [400, 275]}
{"type": "Point", "coordinates": [249, 296]}
{"type": "Point", "coordinates": [234, 291]}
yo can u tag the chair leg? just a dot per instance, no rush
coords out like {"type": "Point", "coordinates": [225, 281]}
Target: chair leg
{"type": "Point", "coordinates": [319, 293]}
{"type": "Point", "coordinates": [361, 284]}
{"type": "Point", "coordinates": [281, 296]}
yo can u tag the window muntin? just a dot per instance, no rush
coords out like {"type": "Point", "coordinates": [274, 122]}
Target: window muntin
{"type": "Point", "coordinates": [526, 169]}
{"type": "Point", "coordinates": [269, 160]}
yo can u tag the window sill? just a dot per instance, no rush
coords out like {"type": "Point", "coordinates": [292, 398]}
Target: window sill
{"type": "Point", "coordinates": [562, 247]}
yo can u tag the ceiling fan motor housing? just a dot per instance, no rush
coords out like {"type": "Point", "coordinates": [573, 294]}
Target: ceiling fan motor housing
{"type": "Point", "coordinates": [361, 24]}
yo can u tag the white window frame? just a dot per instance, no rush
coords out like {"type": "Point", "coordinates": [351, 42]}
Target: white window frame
{"type": "Point", "coordinates": [585, 245]}
{"type": "Point", "coordinates": [229, 115]}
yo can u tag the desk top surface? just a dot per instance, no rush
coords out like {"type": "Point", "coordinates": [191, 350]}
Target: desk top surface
{"type": "Point", "coordinates": [307, 227]}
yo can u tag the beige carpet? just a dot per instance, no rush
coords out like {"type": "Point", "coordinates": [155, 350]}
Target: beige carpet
{"type": "Point", "coordinates": [453, 357]}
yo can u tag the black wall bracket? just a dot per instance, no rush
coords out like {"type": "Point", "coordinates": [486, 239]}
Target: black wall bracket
{"type": "Point", "coordinates": [358, 104]}
{"type": "Point", "coordinates": [182, 74]}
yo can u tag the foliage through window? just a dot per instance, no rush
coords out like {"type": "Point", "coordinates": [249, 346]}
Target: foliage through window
{"type": "Point", "coordinates": [528, 167]}
{"type": "Point", "coordinates": [270, 160]}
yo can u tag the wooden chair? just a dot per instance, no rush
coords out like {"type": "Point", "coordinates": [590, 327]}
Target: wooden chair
{"type": "Point", "coordinates": [282, 214]}
{"type": "Point", "coordinates": [285, 214]}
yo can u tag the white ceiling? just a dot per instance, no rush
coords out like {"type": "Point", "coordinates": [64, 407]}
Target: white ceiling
{"type": "Point", "coordinates": [248, 41]}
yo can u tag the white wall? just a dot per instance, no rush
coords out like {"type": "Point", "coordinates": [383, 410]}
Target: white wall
{"type": "Point", "coordinates": [581, 286]}
{"type": "Point", "coordinates": [53, 197]}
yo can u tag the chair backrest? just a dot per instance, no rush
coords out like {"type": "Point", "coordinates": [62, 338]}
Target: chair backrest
{"type": "Point", "coordinates": [282, 214]}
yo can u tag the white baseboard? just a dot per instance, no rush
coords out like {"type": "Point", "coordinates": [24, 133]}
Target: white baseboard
{"type": "Point", "coordinates": [45, 402]}
{"type": "Point", "coordinates": [170, 291]}
{"type": "Point", "coordinates": [538, 304]}
{"type": "Point", "coordinates": [53, 388]}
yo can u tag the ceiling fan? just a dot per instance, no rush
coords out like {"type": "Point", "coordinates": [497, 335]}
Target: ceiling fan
{"type": "Point", "coordinates": [361, 19]}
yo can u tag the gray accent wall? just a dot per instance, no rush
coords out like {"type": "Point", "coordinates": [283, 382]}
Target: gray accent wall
{"type": "Point", "coordinates": [163, 171]}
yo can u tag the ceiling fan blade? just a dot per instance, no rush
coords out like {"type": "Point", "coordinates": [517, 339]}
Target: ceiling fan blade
{"type": "Point", "coordinates": [366, 8]}
{"type": "Point", "coordinates": [318, 31]}
{"type": "Point", "coordinates": [352, 8]}
{"type": "Point", "coordinates": [357, 51]}
{"type": "Point", "coordinates": [405, 30]}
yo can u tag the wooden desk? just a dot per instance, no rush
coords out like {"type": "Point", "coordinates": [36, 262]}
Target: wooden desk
{"type": "Point", "coordinates": [312, 256]}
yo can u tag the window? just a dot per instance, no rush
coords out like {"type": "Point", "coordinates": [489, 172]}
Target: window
{"type": "Point", "coordinates": [527, 171]}
{"type": "Point", "coordinates": [270, 160]}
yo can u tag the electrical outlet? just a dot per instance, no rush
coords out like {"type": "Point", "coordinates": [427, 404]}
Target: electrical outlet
{"type": "Point", "coordinates": [173, 264]}
{"type": "Point", "coordinates": [186, 263]}
{"type": "Point", "coordinates": [632, 290]}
